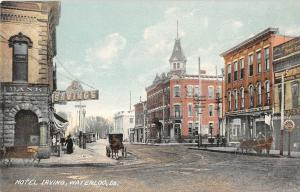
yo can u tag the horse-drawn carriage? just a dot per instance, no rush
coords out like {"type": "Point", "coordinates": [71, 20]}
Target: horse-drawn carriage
{"type": "Point", "coordinates": [257, 145]}
{"type": "Point", "coordinates": [28, 154]}
{"type": "Point", "coordinates": [115, 145]}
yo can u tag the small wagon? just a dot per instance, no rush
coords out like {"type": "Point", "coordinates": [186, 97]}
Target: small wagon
{"type": "Point", "coordinates": [115, 145]}
{"type": "Point", "coordinates": [27, 153]}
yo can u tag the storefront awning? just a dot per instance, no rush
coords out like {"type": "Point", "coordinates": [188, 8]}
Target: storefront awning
{"type": "Point", "coordinates": [59, 123]}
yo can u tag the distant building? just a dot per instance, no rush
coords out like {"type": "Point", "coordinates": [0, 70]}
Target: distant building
{"type": "Point", "coordinates": [123, 122]}
{"type": "Point", "coordinates": [248, 93]}
{"type": "Point", "coordinates": [172, 112]}
{"type": "Point", "coordinates": [140, 122]}
{"type": "Point", "coordinates": [286, 61]}
{"type": "Point", "coordinates": [27, 73]}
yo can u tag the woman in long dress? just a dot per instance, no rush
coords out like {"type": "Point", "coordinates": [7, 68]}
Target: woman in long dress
{"type": "Point", "coordinates": [69, 142]}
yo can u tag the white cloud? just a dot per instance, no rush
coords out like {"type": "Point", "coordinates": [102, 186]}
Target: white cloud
{"type": "Point", "coordinates": [293, 31]}
{"type": "Point", "coordinates": [106, 50]}
{"type": "Point", "coordinates": [237, 24]}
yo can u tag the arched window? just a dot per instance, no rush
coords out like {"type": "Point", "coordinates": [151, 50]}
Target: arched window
{"type": "Point", "coordinates": [251, 97]}
{"type": "Point", "coordinates": [267, 88]}
{"type": "Point", "coordinates": [242, 97]}
{"type": "Point", "coordinates": [259, 97]}
{"type": "Point", "coordinates": [20, 44]}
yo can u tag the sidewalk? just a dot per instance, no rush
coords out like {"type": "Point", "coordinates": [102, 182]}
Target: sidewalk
{"type": "Point", "coordinates": [93, 155]}
{"type": "Point", "coordinates": [234, 150]}
{"type": "Point", "coordinates": [160, 144]}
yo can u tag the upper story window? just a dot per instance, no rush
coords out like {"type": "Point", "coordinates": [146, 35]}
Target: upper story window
{"type": "Point", "coordinates": [177, 111]}
{"type": "Point", "coordinates": [295, 94]}
{"type": "Point", "coordinates": [251, 96]}
{"type": "Point", "coordinates": [176, 91]}
{"type": "Point", "coordinates": [211, 110]}
{"type": "Point", "coordinates": [229, 101]}
{"type": "Point", "coordinates": [241, 65]}
{"type": "Point", "coordinates": [20, 44]}
{"type": "Point", "coordinates": [211, 92]}
{"type": "Point", "coordinates": [259, 96]}
{"type": "Point", "coordinates": [267, 58]}
{"type": "Point", "coordinates": [196, 91]}
{"type": "Point", "coordinates": [229, 73]}
{"type": "Point", "coordinates": [267, 88]}
{"type": "Point", "coordinates": [174, 65]}
{"type": "Point", "coordinates": [258, 61]}
{"type": "Point", "coordinates": [190, 109]}
{"type": "Point", "coordinates": [242, 97]}
{"type": "Point", "coordinates": [235, 73]}
{"type": "Point", "coordinates": [178, 65]}
{"type": "Point", "coordinates": [235, 94]}
{"type": "Point", "coordinates": [189, 91]}
{"type": "Point", "coordinates": [250, 64]}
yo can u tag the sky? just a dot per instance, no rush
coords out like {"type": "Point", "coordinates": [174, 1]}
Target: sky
{"type": "Point", "coordinates": [119, 46]}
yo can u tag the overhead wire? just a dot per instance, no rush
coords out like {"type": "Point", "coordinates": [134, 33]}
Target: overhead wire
{"type": "Point", "coordinates": [58, 61]}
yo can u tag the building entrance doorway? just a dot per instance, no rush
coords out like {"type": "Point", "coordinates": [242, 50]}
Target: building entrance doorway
{"type": "Point", "coordinates": [27, 130]}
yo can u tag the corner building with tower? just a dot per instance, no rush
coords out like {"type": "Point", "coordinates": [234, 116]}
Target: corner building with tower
{"type": "Point", "coordinates": [172, 110]}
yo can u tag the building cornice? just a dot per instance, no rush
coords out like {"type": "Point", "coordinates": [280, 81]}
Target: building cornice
{"type": "Point", "coordinates": [256, 37]}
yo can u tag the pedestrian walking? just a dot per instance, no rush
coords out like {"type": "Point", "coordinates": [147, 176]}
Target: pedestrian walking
{"type": "Point", "coordinates": [69, 142]}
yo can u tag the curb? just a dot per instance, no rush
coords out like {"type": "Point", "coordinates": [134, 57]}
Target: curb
{"type": "Point", "coordinates": [163, 144]}
{"type": "Point", "coordinates": [239, 153]}
{"type": "Point", "coordinates": [75, 165]}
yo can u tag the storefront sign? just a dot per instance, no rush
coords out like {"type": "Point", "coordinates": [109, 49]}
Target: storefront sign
{"type": "Point", "coordinates": [62, 96]}
{"type": "Point", "coordinates": [25, 89]}
{"type": "Point", "coordinates": [287, 48]}
{"type": "Point", "coordinates": [289, 125]}
{"type": "Point", "coordinates": [74, 92]}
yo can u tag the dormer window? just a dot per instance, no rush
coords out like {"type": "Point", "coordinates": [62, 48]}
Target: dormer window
{"type": "Point", "coordinates": [20, 44]}
{"type": "Point", "coordinates": [174, 65]}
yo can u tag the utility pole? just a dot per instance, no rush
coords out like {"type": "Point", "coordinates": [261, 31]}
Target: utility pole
{"type": "Point", "coordinates": [145, 113]}
{"type": "Point", "coordinates": [163, 115]}
{"type": "Point", "coordinates": [199, 110]}
{"type": "Point", "coordinates": [282, 114]}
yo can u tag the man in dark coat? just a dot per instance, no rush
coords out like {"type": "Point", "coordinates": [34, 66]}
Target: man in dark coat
{"type": "Point", "coordinates": [69, 142]}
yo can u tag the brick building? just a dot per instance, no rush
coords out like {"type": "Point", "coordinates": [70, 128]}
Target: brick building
{"type": "Point", "coordinates": [140, 122]}
{"type": "Point", "coordinates": [27, 74]}
{"type": "Point", "coordinates": [286, 61]}
{"type": "Point", "coordinates": [171, 107]}
{"type": "Point", "coordinates": [248, 91]}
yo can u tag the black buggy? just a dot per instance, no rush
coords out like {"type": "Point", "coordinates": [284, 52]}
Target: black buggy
{"type": "Point", "coordinates": [115, 145]}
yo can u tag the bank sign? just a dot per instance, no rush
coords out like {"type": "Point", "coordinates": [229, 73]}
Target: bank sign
{"type": "Point", "coordinates": [74, 92]}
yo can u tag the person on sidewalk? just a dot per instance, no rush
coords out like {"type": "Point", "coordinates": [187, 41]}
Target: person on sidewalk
{"type": "Point", "coordinates": [69, 142]}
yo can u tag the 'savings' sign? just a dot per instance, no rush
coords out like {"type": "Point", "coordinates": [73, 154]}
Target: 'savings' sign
{"type": "Point", "coordinates": [74, 92]}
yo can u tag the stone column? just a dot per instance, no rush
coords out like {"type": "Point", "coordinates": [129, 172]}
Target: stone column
{"type": "Point", "coordinates": [44, 151]}
{"type": "Point", "coordinates": [43, 134]}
